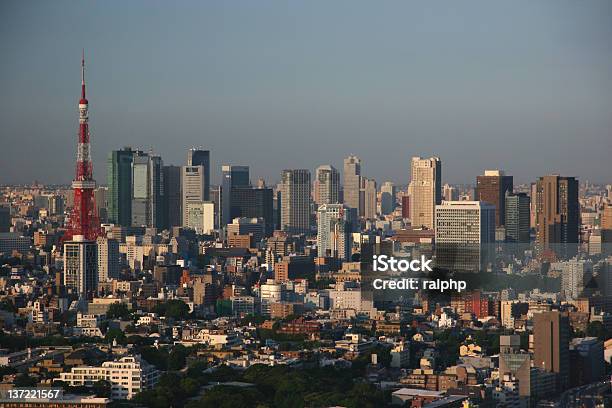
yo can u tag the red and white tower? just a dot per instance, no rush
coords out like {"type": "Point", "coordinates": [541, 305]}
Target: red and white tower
{"type": "Point", "coordinates": [84, 219]}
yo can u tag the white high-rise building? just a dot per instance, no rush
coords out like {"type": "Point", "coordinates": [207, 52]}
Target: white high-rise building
{"type": "Point", "coordinates": [575, 274]}
{"type": "Point", "coordinates": [465, 230]}
{"type": "Point", "coordinates": [81, 265]}
{"type": "Point", "coordinates": [108, 259]}
{"type": "Point", "coordinates": [200, 216]}
{"type": "Point", "coordinates": [269, 293]}
{"type": "Point", "coordinates": [425, 190]}
{"type": "Point", "coordinates": [327, 185]}
{"type": "Point", "coordinates": [334, 231]}
{"type": "Point", "coordinates": [193, 181]}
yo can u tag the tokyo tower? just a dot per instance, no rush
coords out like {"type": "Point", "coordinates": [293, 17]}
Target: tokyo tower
{"type": "Point", "coordinates": [84, 222]}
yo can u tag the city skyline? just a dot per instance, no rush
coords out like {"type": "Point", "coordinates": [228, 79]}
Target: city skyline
{"type": "Point", "coordinates": [461, 96]}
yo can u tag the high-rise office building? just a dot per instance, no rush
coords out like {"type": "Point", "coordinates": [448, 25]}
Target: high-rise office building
{"type": "Point", "coordinates": [517, 217]}
{"type": "Point", "coordinates": [606, 227]}
{"type": "Point", "coordinates": [425, 190]}
{"type": "Point", "coordinates": [200, 216]}
{"type": "Point", "coordinates": [576, 274]}
{"type": "Point", "coordinates": [197, 157]}
{"type": "Point", "coordinates": [450, 193]}
{"type": "Point", "coordinates": [334, 226]}
{"type": "Point", "coordinates": [557, 215]}
{"type": "Point", "coordinates": [464, 232]}
{"type": "Point", "coordinates": [108, 258]}
{"type": "Point", "coordinates": [101, 201]}
{"type": "Point", "coordinates": [148, 197]}
{"type": "Point", "coordinates": [231, 176]}
{"type": "Point", "coordinates": [56, 205]}
{"type": "Point", "coordinates": [327, 185]}
{"type": "Point", "coordinates": [551, 333]}
{"type": "Point", "coordinates": [193, 185]}
{"type": "Point", "coordinates": [516, 363]}
{"type": "Point", "coordinates": [492, 188]}
{"type": "Point", "coordinates": [352, 182]}
{"type": "Point", "coordinates": [119, 179]}
{"type": "Point", "coordinates": [81, 266]}
{"type": "Point", "coordinates": [295, 201]}
{"type": "Point", "coordinates": [406, 206]}
{"type": "Point", "coordinates": [215, 197]}
{"type": "Point", "coordinates": [174, 195]}
{"type": "Point", "coordinates": [367, 198]}
{"type": "Point", "coordinates": [253, 227]}
{"type": "Point", "coordinates": [387, 198]}
{"type": "Point", "coordinates": [248, 202]}
{"type": "Point", "coordinates": [5, 218]}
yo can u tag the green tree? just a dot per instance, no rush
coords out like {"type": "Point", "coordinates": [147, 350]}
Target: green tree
{"type": "Point", "coordinates": [115, 334]}
{"type": "Point", "coordinates": [118, 310]}
{"type": "Point", "coordinates": [177, 357]}
{"type": "Point", "coordinates": [102, 388]}
{"type": "Point", "coordinates": [24, 380]}
{"type": "Point", "coordinates": [174, 308]}
{"type": "Point", "coordinates": [597, 329]}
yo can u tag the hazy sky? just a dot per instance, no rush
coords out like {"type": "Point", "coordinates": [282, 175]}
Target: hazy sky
{"type": "Point", "coordinates": [525, 86]}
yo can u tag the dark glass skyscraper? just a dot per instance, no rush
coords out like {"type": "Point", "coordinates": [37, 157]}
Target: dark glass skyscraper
{"type": "Point", "coordinates": [253, 203]}
{"type": "Point", "coordinates": [119, 179]}
{"type": "Point", "coordinates": [172, 190]}
{"type": "Point", "coordinates": [517, 217]}
{"type": "Point", "coordinates": [148, 198]}
{"type": "Point", "coordinates": [295, 201]}
{"type": "Point", "coordinates": [231, 176]}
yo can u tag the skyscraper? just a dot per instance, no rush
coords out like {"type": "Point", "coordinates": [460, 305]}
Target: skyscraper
{"type": "Point", "coordinates": [295, 201]}
{"type": "Point", "coordinates": [515, 362]}
{"type": "Point", "coordinates": [200, 216]}
{"type": "Point", "coordinates": [387, 198]}
{"type": "Point", "coordinates": [327, 185]}
{"type": "Point", "coordinates": [174, 195]}
{"type": "Point", "coordinates": [425, 190]}
{"type": "Point", "coordinates": [492, 188]}
{"type": "Point", "coordinates": [551, 333]}
{"type": "Point", "coordinates": [450, 193]}
{"type": "Point", "coordinates": [148, 198]}
{"type": "Point", "coordinates": [231, 176]}
{"type": "Point", "coordinates": [352, 182]}
{"type": "Point", "coordinates": [517, 217]}
{"type": "Point", "coordinates": [197, 157]}
{"type": "Point", "coordinates": [81, 266]}
{"type": "Point", "coordinates": [119, 179]}
{"type": "Point", "coordinates": [464, 232]}
{"type": "Point", "coordinates": [368, 198]}
{"type": "Point", "coordinates": [108, 258]}
{"type": "Point", "coordinates": [193, 182]}
{"type": "Point", "coordinates": [334, 231]}
{"type": "Point", "coordinates": [606, 226]}
{"type": "Point", "coordinates": [251, 202]}
{"type": "Point", "coordinates": [557, 215]}
{"type": "Point", "coordinates": [5, 218]}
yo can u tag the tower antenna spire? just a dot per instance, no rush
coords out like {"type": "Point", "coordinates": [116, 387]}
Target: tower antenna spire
{"type": "Point", "coordinates": [83, 74]}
